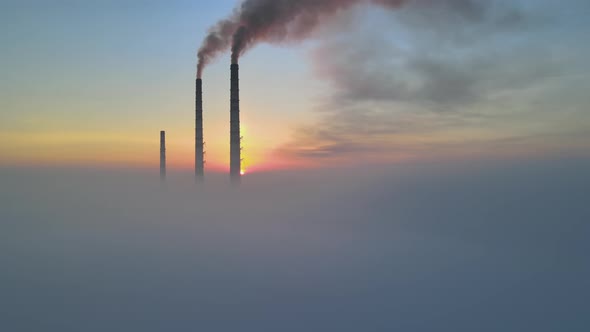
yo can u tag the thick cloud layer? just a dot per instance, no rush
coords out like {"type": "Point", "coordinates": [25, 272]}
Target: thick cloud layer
{"type": "Point", "coordinates": [448, 247]}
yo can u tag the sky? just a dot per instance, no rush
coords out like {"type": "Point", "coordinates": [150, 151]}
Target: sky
{"type": "Point", "coordinates": [92, 83]}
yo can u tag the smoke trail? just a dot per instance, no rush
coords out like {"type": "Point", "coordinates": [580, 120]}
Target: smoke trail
{"type": "Point", "coordinates": [272, 21]}
{"type": "Point", "coordinates": [218, 40]}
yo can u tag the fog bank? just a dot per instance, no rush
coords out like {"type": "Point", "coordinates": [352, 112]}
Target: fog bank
{"type": "Point", "coordinates": [416, 247]}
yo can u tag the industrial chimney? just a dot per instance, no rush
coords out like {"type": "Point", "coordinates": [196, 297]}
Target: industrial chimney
{"type": "Point", "coordinates": [163, 155]}
{"type": "Point", "coordinates": [199, 143]}
{"type": "Point", "coordinates": [235, 148]}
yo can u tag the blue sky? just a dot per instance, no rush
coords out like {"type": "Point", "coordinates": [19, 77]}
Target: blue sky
{"type": "Point", "coordinates": [127, 69]}
{"type": "Point", "coordinates": [86, 80]}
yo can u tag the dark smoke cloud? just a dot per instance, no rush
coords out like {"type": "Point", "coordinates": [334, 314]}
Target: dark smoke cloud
{"type": "Point", "coordinates": [273, 21]}
{"type": "Point", "coordinates": [217, 41]}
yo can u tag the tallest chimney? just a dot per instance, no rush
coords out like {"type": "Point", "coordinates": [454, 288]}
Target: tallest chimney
{"type": "Point", "coordinates": [235, 148]}
{"type": "Point", "coordinates": [199, 143]}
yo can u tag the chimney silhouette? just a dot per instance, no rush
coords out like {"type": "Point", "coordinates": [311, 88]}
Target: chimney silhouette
{"type": "Point", "coordinates": [199, 142]}
{"type": "Point", "coordinates": [163, 155]}
{"type": "Point", "coordinates": [235, 144]}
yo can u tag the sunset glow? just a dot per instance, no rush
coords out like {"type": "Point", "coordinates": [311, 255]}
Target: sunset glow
{"type": "Point", "coordinates": [301, 107]}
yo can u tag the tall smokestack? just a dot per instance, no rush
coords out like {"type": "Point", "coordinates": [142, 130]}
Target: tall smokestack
{"type": "Point", "coordinates": [199, 143]}
{"type": "Point", "coordinates": [163, 155]}
{"type": "Point", "coordinates": [235, 146]}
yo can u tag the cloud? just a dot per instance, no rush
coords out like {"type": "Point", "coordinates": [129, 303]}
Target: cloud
{"type": "Point", "coordinates": [432, 52]}
{"type": "Point", "coordinates": [432, 68]}
{"type": "Point", "coordinates": [442, 246]}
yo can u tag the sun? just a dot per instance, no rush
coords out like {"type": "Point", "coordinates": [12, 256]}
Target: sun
{"type": "Point", "coordinates": [243, 172]}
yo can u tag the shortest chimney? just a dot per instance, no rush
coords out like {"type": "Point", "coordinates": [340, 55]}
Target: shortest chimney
{"type": "Point", "coordinates": [163, 155]}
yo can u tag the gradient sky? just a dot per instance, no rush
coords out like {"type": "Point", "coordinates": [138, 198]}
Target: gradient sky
{"type": "Point", "coordinates": [93, 82]}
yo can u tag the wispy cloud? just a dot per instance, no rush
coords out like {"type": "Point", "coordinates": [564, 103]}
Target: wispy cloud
{"type": "Point", "coordinates": [444, 72]}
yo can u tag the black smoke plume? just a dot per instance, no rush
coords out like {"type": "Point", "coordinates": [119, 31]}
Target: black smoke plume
{"type": "Point", "coordinates": [273, 21]}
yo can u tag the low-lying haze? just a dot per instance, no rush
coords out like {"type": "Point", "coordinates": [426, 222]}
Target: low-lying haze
{"type": "Point", "coordinates": [496, 246]}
